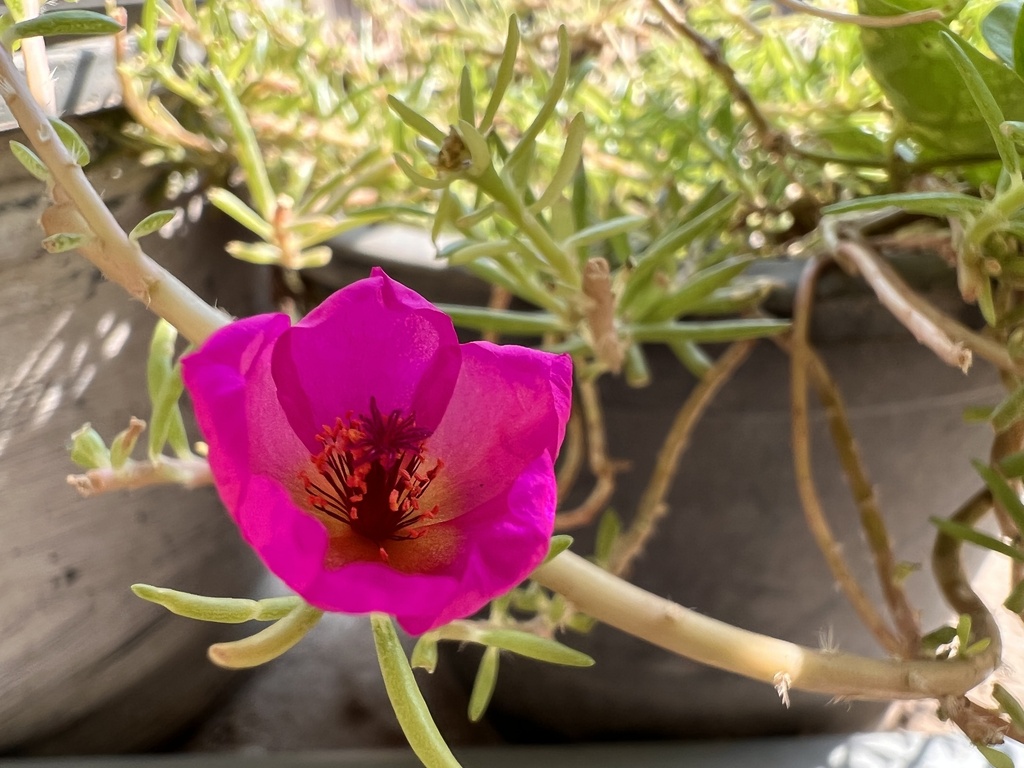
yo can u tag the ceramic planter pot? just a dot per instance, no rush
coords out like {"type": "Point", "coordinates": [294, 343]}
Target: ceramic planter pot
{"type": "Point", "coordinates": [734, 545]}
{"type": "Point", "coordinates": [84, 665]}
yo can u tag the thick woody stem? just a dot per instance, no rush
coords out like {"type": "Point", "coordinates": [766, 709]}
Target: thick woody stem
{"type": "Point", "coordinates": [79, 209]}
{"type": "Point", "coordinates": [813, 512]}
{"type": "Point", "coordinates": [652, 505]}
{"type": "Point", "coordinates": [616, 602]}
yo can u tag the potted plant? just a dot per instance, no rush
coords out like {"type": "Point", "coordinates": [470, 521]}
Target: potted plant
{"type": "Point", "coordinates": [742, 167]}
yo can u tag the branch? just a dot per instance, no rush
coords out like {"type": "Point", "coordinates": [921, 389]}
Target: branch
{"type": "Point", "coordinates": [680, 630]}
{"type": "Point", "coordinates": [189, 473]}
{"type": "Point", "coordinates": [712, 55]}
{"type": "Point", "coordinates": [652, 504]}
{"type": "Point", "coordinates": [912, 311]}
{"type": "Point", "coordinates": [813, 512]}
{"type": "Point", "coordinates": [872, 521]}
{"type": "Point", "coordinates": [78, 208]}
{"type": "Point", "coordinates": [899, 20]}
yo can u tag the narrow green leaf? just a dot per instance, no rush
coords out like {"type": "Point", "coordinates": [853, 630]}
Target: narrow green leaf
{"type": "Point", "coordinates": [1003, 493]}
{"type": "Point", "coordinates": [941, 636]}
{"type": "Point", "coordinates": [416, 121]}
{"type": "Point", "coordinates": [16, 8]}
{"type": "Point", "coordinates": [682, 299]}
{"type": "Point", "coordinates": [339, 227]}
{"type": "Point", "coordinates": [533, 647]}
{"type": "Point", "coordinates": [163, 382]}
{"type": "Point", "coordinates": [254, 253]}
{"type": "Point", "coordinates": [250, 157]}
{"type": "Point", "coordinates": [503, 321]}
{"type": "Point", "coordinates": [478, 149]}
{"type": "Point", "coordinates": [64, 241]}
{"type": "Point", "coordinates": [424, 653]}
{"type": "Point", "coordinates": [635, 368]}
{"type": "Point", "coordinates": [994, 757]}
{"type": "Point", "coordinates": [963, 630]}
{"type": "Point", "coordinates": [608, 529]}
{"type": "Point", "coordinates": [123, 444]}
{"type": "Point", "coordinates": [30, 161]}
{"type": "Point", "coordinates": [524, 148]}
{"type": "Point", "coordinates": [1009, 411]}
{"type": "Point", "coordinates": [223, 610]}
{"type": "Point", "coordinates": [987, 105]}
{"type": "Point", "coordinates": [559, 543]}
{"type": "Point", "coordinates": [483, 686]}
{"type": "Point", "coordinates": [71, 140]}
{"type": "Point", "coordinates": [664, 248]}
{"type": "Point", "coordinates": [506, 72]}
{"type": "Point", "coordinates": [1012, 465]}
{"type": "Point", "coordinates": [151, 224]}
{"type": "Point", "coordinates": [1009, 704]}
{"type": "Point", "coordinates": [466, 251]}
{"type": "Point", "coordinates": [605, 230]}
{"type": "Point", "coordinates": [925, 203]}
{"type": "Point", "coordinates": [710, 331]}
{"type": "Point", "coordinates": [88, 450]}
{"type": "Point", "coordinates": [418, 178]}
{"type": "Point", "coordinates": [467, 112]}
{"type": "Point", "coordinates": [232, 205]}
{"type": "Point", "coordinates": [62, 23]}
{"type": "Point", "coordinates": [1015, 600]}
{"type": "Point", "coordinates": [966, 533]}
{"type": "Point", "coordinates": [280, 637]}
{"type": "Point", "coordinates": [692, 357]}
{"type": "Point", "coordinates": [568, 164]}
{"type": "Point", "coordinates": [406, 699]}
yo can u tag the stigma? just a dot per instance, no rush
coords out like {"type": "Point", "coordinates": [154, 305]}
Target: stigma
{"type": "Point", "coordinates": [370, 475]}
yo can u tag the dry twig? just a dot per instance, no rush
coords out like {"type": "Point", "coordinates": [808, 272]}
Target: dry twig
{"type": "Point", "coordinates": [601, 466]}
{"type": "Point", "coordinates": [813, 512]}
{"type": "Point", "coordinates": [898, 20]}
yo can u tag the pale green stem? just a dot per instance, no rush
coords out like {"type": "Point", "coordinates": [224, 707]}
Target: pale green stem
{"type": "Point", "coordinates": [112, 252]}
{"type": "Point", "coordinates": [599, 594]}
{"type": "Point", "coordinates": [278, 638]}
{"type": "Point", "coordinates": [188, 473]}
{"type": "Point", "coordinates": [407, 701]}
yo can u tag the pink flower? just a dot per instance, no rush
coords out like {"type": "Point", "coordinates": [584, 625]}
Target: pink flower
{"type": "Point", "coordinates": [376, 464]}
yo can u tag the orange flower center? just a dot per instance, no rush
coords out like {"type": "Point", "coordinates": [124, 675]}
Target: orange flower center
{"type": "Point", "coordinates": [370, 476]}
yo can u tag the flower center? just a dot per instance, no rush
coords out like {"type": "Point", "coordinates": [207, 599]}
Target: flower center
{"type": "Point", "coordinates": [370, 476]}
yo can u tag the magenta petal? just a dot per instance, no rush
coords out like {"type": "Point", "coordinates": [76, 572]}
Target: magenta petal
{"type": "Point", "coordinates": [510, 405]}
{"type": "Point", "coordinates": [218, 376]}
{"type": "Point", "coordinates": [506, 538]}
{"type": "Point", "coordinates": [374, 338]}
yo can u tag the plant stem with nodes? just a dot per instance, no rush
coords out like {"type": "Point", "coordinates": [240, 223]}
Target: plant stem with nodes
{"type": "Point", "coordinates": [189, 473]}
{"type": "Point", "coordinates": [951, 341]}
{"type": "Point", "coordinates": [79, 209]}
{"type": "Point", "coordinates": [616, 602]}
{"type": "Point", "coordinates": [872, 522]}
{"type": "Point", "coordinates": [979, 724]}
{"type": "Point", "coordinates": [652, 506]}
{"type": "Point", "coordinates": [813, 511]}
